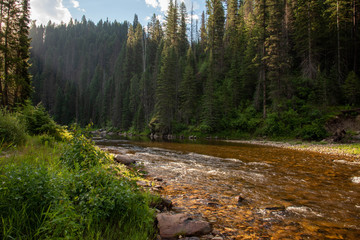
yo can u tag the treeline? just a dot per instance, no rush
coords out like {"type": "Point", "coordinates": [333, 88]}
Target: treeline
{"type": "Point", "coordinates": [267, 67]}
{"type": "Point", "coordinates": [15, 81]}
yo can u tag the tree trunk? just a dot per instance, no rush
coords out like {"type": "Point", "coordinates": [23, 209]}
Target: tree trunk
{"type": "Point", "coordinates": [6, 59]}
{"type": "Point", "coordinates": [263, 71]}
{"type": "Point", "coordinates": [338, 42]}
{"type": "Point", "coordinates": [1, 60]}
{"type": "Point", "coordinates": [355, 36]}
{"type": "Point", "coordinates": [309, 44]}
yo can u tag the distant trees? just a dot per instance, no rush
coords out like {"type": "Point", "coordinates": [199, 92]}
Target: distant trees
{"type": "Point", "coordinates": [15, 81]}
{"type": "Point", "coordinates": [259, 58]}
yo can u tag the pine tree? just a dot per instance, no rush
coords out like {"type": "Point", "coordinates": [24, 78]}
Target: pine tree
{"type": "Point", "coordinates": [203, 32]}
{"type": "Point", "coordinates": [307, 31]}
{"type": "Point", "coordinates": [277, 58]}
{"type": "Point", "coordinates": [215, 26]}
{"type": "Point", "coordinates": [166, 91]}
{"type": "Point", "coordinates": [188, 98]}
{"type": "Point", "coordinates": [172, 24]}
{"type": "Point", "coordinates": [183, 38]}
{"type": "Point", "coordinates": [23, 82]}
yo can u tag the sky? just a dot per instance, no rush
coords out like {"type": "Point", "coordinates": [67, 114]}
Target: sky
{"type": "Point", "coordinates": [63, 10]}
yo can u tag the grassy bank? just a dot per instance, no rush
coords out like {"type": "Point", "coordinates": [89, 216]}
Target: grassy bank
{"type": "Point", "coordinates": [59, 185]}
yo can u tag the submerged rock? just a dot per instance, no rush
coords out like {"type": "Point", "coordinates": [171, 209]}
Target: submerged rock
{"type": "Point", "coordinates": [241, 201]}
{"type": "Point", "coordinates": [172, 226]}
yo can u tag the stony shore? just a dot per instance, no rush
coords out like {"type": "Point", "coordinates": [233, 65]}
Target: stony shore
{"type": "Point", "coordinates": [349, 150]}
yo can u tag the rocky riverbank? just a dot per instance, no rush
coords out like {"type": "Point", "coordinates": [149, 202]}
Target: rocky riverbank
{"type": "Point", "coordinates": [350, 150]}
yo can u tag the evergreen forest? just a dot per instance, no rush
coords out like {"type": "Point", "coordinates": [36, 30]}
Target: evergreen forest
{"type": "Point", "coordinates": [248, 67]}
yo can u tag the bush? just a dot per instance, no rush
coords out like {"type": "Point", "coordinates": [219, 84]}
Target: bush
{"type": "Point", "coordinates": [81, 153]}
{"type": "Point", "coordinates": [313, 131]}
{"type": "Point", "coordinates": [37, 121]}
{"type": "Point", "coordinates": [26, 193]}
{"type": "Point", "coordinates": [247, 120]}
{"type": "Point", "coordinates": [47, 140]}
{"type": "Point", "coordinates": [97, 204]}
{"type": "Point", "coordinates": [12, 131]}
{"type": "Point", "coordinates": [352, 88]}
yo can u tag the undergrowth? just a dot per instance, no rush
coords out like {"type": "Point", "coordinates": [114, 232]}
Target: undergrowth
{"type": "Point", "coordinates": [68, 189]}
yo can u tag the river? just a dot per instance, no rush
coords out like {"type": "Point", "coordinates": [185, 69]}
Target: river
{"type": "Point", "coordinates": [255, 192]}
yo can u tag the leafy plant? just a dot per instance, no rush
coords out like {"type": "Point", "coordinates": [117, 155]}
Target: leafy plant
{"type": "Point", "coordinates": [81, 153]}
{"type": "Point", "coordinates": [12, 131]}
{"type": "Point", "coordinates": [37, 121]}
{"type": "Point", "coordinates": [26, 193]}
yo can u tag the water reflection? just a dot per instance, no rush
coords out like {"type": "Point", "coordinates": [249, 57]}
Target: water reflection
{"type": "Point", "coordinates": [290, 194]}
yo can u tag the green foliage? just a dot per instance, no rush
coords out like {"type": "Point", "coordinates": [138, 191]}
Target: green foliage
{"type": "Point", "coordinates": [247, 120]}
{"type": "Point", "coordinates": [313, 131]}
{"type": "Point", "coordinates": [307, 124]}
{"type": "Point", "coordinates": [26, 193]}
{"type": "Point", "coordinates": [352, 88]}
{"type": "Point", "coordinates": [81, 153]}
{"type": "Point", "coordinates": [275, 55]}
{"type": "Point", "coordinates": [40, 198]}
{"type": "Point", "coordinates": [37, 121]}
{"type": "Point", "coordinates": [12, 131]}
{"type": "Point", "coordinates": [47, 140]}
{"type": "Point", "coordinates": [97, 203]}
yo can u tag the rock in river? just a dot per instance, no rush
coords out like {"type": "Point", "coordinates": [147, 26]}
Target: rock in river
{"type": "Point", "coordinates": [171, 226]}
{"type": "Point", "coordinates": [124, 160]}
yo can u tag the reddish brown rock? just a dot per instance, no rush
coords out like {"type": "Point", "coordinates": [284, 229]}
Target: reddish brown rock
{"type": "Point", "coordinates": [172, 226]}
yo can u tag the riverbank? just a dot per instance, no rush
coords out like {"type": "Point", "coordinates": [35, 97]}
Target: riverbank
{"type": "Point", "coordinates": [341, 149]}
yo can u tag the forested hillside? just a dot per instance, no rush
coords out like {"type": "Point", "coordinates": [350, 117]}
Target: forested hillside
{"type": "Point", "coordinates": [269, 67]}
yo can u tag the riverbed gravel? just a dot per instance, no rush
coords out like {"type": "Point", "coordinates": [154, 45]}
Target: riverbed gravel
{"type": "Point", "coordinates": [322, 147]}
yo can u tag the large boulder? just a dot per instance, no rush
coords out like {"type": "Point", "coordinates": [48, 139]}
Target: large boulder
{"type": "Point", "coordinates": [171, 226]}
{"type": "Point", "coordinates": [124, 160]}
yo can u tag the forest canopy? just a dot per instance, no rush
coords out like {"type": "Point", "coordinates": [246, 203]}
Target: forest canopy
{"type": "Point", "coordinates": [273, 65]}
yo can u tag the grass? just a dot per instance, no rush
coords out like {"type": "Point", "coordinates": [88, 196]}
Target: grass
{"type": "Point", "coordinates": [353, 148]}
{"type": "Point", "coordinates": [47, 192]}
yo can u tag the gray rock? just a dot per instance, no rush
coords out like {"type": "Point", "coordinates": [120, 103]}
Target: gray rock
{"type": "Point", "coordinates": [124, 160]}
{"type": "Point", "coordinates": [172, 226]}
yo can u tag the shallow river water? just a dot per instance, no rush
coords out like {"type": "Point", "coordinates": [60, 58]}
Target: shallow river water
{"type": "Point", "coordinates": [284, 194]}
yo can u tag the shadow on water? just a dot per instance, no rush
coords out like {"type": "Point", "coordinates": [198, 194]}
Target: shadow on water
{"type": "Point", "coordinates": [284, 194]}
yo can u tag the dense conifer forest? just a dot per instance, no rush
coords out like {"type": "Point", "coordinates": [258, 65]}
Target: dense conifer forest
{"type": "Point", "coordinates": [263, 67]}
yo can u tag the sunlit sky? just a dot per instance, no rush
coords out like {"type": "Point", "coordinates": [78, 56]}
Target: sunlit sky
{"type": "Point", "coordinates": [63, 10]}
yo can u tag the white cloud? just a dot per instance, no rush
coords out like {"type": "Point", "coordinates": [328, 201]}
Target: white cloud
{"type": "Point", "coordinates": [153, 3]}
{"type": "Point", "coordinates": [164, 4]}
{"type": "Point", "coordinates": [45, 10]}
{"type": "Point", "coordinates": [195, 17]}
{"type": "Point", "coordinates": [75, 3]}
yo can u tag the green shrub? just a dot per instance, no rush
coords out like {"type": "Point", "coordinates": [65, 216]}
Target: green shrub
{"type": "Point", "coordinates": [12, 131]}
{"type": "Point", "coordinates": [313, 131]}
{"type": "Point", "coordinates": [352, 88]}
{"type": "Point", "coordinates": [97, 205]}
{"type": "Point", "coordinates": [247, 120]}
{"type": "Point", "coordinates": [47, 140]}
{"type": "Point", "coordinates": [37, 121]}
{"type": "Point", "coordinates": [81, 153]}
{"type": "Point", "coordinates": [26, 193]}
{"type": "Point", "coordinates": [274, 126]}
